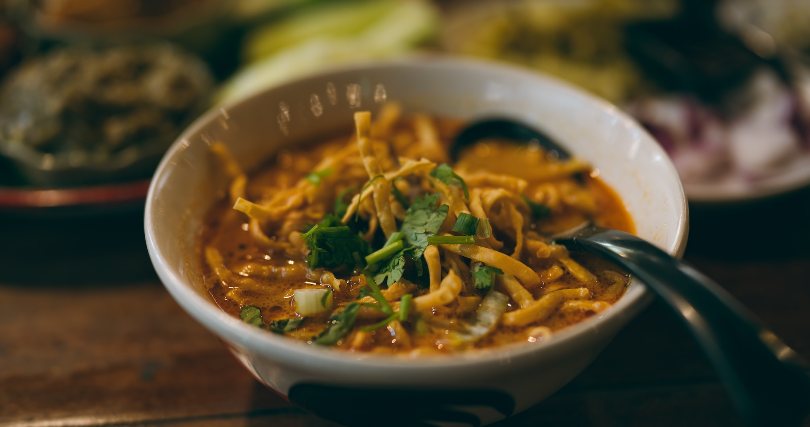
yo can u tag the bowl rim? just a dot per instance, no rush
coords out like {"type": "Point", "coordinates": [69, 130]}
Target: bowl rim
{"type": "Point", "coordinates": [291, 352]}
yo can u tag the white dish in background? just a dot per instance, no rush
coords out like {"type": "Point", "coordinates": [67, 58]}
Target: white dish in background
{"type": "Point", "coordinates": [490, 383]}
{"type": "Point", "coordinates": [794, 176]}
{"type": "Point", "coordinates": [757, 153]}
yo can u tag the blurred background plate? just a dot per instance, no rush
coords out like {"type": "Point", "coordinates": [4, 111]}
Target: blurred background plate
{"type": "Point", "coordinates": [790, 179]}
{"type": "Point", "coordinates": [80, 201]}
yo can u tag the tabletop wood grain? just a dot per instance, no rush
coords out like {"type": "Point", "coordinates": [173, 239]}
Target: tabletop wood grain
{"type": "Point", "coordinates": [88, 336]}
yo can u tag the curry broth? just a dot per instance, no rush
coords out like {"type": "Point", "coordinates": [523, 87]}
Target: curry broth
{"type": "Point", "coordinates": [228, 231]}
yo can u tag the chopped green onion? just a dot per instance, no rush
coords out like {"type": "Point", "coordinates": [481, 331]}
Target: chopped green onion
{"type": "Point", "coordinates": [538, 210]}
{"type": "Point", "coordinates": [466, 224]}
{"type": "Point", "coordinates": [374, 291]}
{"type": "Point", "coordinates": [327, 230]}
{"type": "Point", "coordinates": [395, 237]}
{"type": "Point", "coordinates": [405, 307]}
{"type": "Point", "coordinates": [317, 176]}
{"type": "Point", "coordinates": [252, 315]}
{"type": "Point", "coordinates": [285, 325]}
{"type": "Point", "coordinates": [384, 253]}
{"type": "Point", "coordinates": [340, 325]}
{"type": "Point", "coordinates": [421, 326]}
{"type": "Point", "coordinates": [312, 301]}
{"type": "Point", "coordinates": [326, 299]}
{"type": "Point", "coordinates": [484, 229]}
{"type": "Point", "coordinates": [451, 240]}
{"type": "Point", "coordinates": [381, 324]}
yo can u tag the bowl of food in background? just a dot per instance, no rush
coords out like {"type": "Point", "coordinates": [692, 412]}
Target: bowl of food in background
{"type": "Point", "coordinates": [329, 314]}
{"type": "Point", "coordinates": [100, 21]}
{"type": "Point", "coordinates": [246, 46]}
{"type": "Point", "coordinates": [721, 85]}
{"type": "Point", "coordinates": [94, 117]}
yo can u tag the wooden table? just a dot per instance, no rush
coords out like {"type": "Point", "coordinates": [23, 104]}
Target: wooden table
{"type": "Point", "coordinates": [88, 336]}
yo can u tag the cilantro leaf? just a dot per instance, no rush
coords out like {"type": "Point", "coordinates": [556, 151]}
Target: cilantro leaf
{"type": "Point", "coordinates": [392, 270]}
{"type": "Point", "coordinates": [285, 325]}
{"type": "Point", "coordinates": [445, 174]}
{"type": "Point", "coordinates": [336, 246]}
{"type": "Point", "coordinates": [484, 276]}
{"type": "Point", "coordinates": [422, 220]}
{"type": "Point", "coordinates": [339, 325]}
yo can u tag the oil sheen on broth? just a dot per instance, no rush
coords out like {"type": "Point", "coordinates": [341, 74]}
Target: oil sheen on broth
{"type": "Point", "coordinates": [444, 257]}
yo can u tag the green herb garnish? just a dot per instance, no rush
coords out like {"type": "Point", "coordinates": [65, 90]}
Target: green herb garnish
{"type": "Point", "coordinates": [384, 253]}
{"type": "Point", "coordinates": [317, 176]}
{"type": "Point", "coordinates": [484, 229]}
{"type": "Point", "coordinates": [451, 240]}
{"type": "Point", "coordinates": [325, 299]}
{"type": "Point", "coordinates": [422, 220]}
{"type": "Point", "coordinates": [392, 251]}
{"type": "Point", "coordinates": [405, 307]}
{"type": "Point", "coordinates": [445, 174]}
{"type": "Point", "coordinates": [381, 324]}
{"type": "Point", "coordinates": [339, 325]}
{"type": "Point", "coordinates": [538, 210]}
{"type": "Point", "coordinates": [334, 246]}
{"type": "Point", "coordinates": [392, 271]}
{"type": "Point", "coordinates": [466, 224]}
{"type": "Point", "coordinates": [484, 276]}
{"type": "Point", "coordinates": [374, 291]}
{"type": "Point", "coordinates": [252, 315]}
{"type": "Point", "coordinates": [285, 325]}
{"type": "Point", "coordinates": [402, 314]}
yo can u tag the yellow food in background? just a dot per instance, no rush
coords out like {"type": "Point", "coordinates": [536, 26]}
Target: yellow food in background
{"type": "Point", "coordinates": [578, 41]}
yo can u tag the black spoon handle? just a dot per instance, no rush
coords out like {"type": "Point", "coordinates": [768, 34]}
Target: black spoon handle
{"type": "Point", "coordinates": [767, 381]}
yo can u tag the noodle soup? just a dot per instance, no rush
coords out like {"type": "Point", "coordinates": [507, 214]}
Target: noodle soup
{"type": "Point", "coordinates": [377, 242]}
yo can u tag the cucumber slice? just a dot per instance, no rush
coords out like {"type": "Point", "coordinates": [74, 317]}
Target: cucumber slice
{"type": "Point", "coordinates": [403, 25]}
{"type": "Point", "coordinates": [324, 20]}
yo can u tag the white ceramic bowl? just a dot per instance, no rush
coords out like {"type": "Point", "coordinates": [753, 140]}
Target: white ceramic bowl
{"type": "Point", "coordinates": [490, 384]}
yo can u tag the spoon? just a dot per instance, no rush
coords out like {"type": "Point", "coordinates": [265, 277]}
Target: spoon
{"type": "Point", "coordinates": [767, 381]}
{"type": "Point", "coordinates": [502, 128]}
